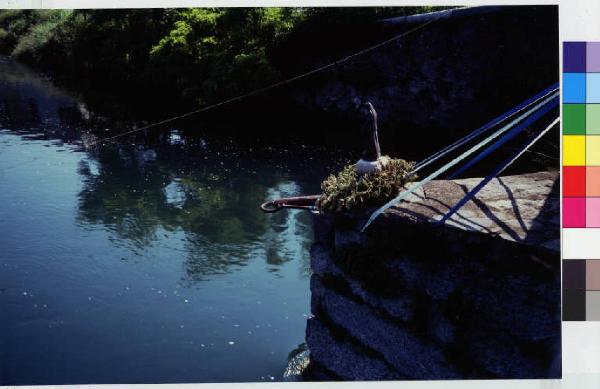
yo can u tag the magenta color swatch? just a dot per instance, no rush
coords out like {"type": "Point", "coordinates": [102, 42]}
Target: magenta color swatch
{"type": "Point", "coordinates": [593, 57]}
{"type": "Point", "coordinates": [574, 212]}
{"type": "Point", "coordinates": [592, 211]}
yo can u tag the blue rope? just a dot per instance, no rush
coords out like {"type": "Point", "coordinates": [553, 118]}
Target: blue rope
{"type": "Point", "coordinates": [456, 160]}
{"type": "Point", "coordinates": [508, 136]}
{"type": "Point", "coordinates": [493, 174]}
{"type": "Point", "coordinates": [484, 128]}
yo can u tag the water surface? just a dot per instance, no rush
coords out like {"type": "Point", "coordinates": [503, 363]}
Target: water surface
{"type": "Point", "coordinates": [146, 260]}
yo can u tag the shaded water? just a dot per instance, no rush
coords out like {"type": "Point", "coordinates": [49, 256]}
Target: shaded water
{"type": "Point", "coordinates": [147, 260]}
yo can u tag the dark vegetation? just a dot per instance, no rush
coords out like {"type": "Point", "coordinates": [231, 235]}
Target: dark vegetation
{"type": "Point", "coordinates": [346, 190]}
{"type": "Point", "coordinates": [194, 56]}
{"type": "Point", "coordinates": [141, 66]}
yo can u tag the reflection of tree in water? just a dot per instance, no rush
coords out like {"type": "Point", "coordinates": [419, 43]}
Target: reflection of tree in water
{"type": "Point", "coordinates": [141, 198]}
{"type": "Point", "coordinates": [190, 195]}
{"type": "Point", "coordinates": [279, 238]}
{"type": "Point", "coordinates": [33, 107]}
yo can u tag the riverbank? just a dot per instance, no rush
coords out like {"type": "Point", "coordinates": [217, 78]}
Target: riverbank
{"type": "Point", "coordinates": [444, 79]}
{"type": "Point", "coordinates": [195, 56]}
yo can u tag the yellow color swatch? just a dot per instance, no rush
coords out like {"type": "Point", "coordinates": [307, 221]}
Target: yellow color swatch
{"type": "Point", "coordinates": [574, 150]}
{"type": "Point", "coordinates": [592, 150]}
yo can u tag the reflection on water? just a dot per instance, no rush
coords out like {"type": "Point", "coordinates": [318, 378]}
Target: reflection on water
{"type": "Point", "coordinates": [213, 207]}
{"type": "Point", "coordinates": [146, 260]}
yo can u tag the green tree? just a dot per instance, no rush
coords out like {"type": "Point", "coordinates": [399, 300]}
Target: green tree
{"type": "Point", "coordinates": [198, 55]}
{"type": "Point", "coordinates": [226, 49]}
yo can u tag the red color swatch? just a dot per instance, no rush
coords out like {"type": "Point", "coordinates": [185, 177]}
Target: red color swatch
{"type": "Point", "coordinates": [574, 181]}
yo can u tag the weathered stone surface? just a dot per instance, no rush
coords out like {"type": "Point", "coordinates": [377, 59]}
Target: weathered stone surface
{"type": "Point", "coordinates": [323, 229]}
{"type": "Point", "coordinates": [503, 357]}
{"type": "Point", "coordinates": [445, 95]}
{"type": "Point", "coordinates": [349, 238]}
{"type": "Point", "coordinates": [317, 372]}
{"type": "Point", "coordinates": [322, 264]}
{"type": "Point", "coordinates": [296, 367]}
{"type": "Point", "coordinates": [342, 357]}
{"type": "Point", "coordinates": [440, 327]}
{"type": "Point", "coordinates": [438, 282]}
{"type": "Point", "coordinates": [523, 208]}
{"type": "Point", "coordinates": [506, 298]}
{"type": "Point", "coordinates": [465, 300]}
{"type": "Point", "coordinates": [411, 356]}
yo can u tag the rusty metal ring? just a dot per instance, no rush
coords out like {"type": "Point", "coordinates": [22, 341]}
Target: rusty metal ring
{"type": "Point", "coordinates": [271, 206]}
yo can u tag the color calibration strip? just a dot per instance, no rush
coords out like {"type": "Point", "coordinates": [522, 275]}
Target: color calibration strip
{"type": "Point", "coordinates": [581, 173]}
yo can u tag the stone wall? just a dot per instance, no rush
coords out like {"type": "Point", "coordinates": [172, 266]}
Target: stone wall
{"type": "Point", "coordinates": [409, 299]}
{"type": "Point", "coordinates": [436, 83]}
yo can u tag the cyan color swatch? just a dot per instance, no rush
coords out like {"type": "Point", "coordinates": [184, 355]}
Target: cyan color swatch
{"type": "Point", "coordinates": [574, 86]}
{"type": "Point", "coordinates": [592, 88]}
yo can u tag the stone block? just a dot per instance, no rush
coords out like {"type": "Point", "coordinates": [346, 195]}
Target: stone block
{"type": "Point", "coordinates": [342, 357]}
{"type": "Point", "coordinates": [323, 264]}
{"type": "Point", "coordinates": [411, 356]}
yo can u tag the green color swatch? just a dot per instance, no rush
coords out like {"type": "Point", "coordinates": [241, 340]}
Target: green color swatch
{"type": "Point", "coordinates": [592, 119]}
{"type": "Point", "coordinates": [574, 119]}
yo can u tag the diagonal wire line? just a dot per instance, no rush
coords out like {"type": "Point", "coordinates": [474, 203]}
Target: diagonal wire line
{"type": "Point", "coordinates": [275, 85]}
{"type": "Point", "coordinates": [519, 108]}
{"type": "Point", "coordinates": [455, 161]}
{"type": "Point", "coordinates": [495, 173]}
{"type": "Point", "coordinates": [530, 144]}
{"type": "Point", "coordinates": [505, 138]}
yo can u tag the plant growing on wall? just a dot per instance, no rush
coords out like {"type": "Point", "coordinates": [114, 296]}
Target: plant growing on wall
{"type": "Point", "coordinates": [347, 190]}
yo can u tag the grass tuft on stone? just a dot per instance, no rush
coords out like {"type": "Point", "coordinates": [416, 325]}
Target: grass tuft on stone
{"type": "Point", "coordinates": [346, 190]}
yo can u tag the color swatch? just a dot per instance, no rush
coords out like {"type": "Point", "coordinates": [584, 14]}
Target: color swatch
{"type": "Point", "coordinates": [581, 135]}
{"type": "Point", "coordinates": [581, 173]}
{"type": "Point", "coordinates": [581, 289]}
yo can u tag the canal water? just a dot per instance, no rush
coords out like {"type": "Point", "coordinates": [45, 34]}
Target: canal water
{"type": "Point", "coordinates": [147, 259]}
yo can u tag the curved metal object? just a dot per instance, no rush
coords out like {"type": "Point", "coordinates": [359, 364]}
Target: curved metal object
{"type": "Point", "coordinates": [368, 117]}
{"type": "Point", "coordinates": [299, 202]}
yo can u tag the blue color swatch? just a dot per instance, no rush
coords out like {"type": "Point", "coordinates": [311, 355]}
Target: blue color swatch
{"type": "Point", "coordinates": [574, 88]}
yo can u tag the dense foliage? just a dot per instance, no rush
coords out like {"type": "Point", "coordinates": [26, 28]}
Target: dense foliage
{"type": "Point", "coordinates": [197, 54]}
{"type": "Point", "coordinates": [347, 190]}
